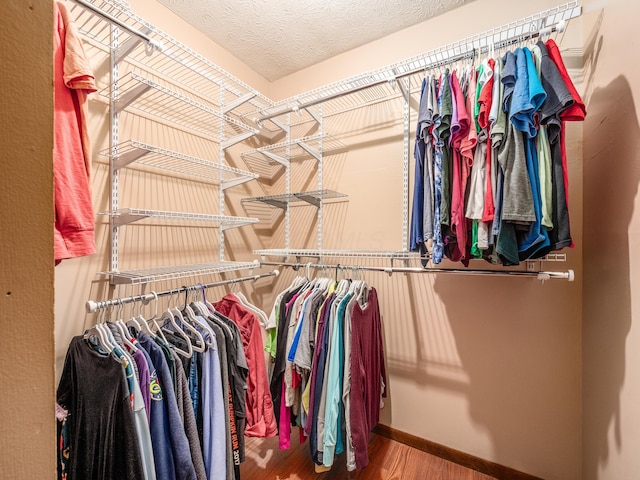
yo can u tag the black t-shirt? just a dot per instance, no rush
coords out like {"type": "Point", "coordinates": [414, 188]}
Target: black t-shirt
{"type": "Point", "coordinates": [101, 431]}
{"type": "Point", "coordinates": [275, 386]}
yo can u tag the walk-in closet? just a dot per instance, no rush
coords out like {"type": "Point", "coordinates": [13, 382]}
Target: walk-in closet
{"type": "Point", "coordinates": [320, 240]}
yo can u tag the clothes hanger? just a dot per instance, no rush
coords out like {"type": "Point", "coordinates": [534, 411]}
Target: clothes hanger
{"type": "Point", "coordinates": [190, 321]}
{"type": "Point", "coordinates": [133, 321]}
{"type": "Point", "coordinates": [197, 304]}
{"type": "Point", "coordinates": [158, 330]}
{"type": "Point", "coordinates": [201, 321]}
{"type": "Point", "coordinates": [169, 316]}
{"type": "Point", "coordinates": [122, 328]}
{"type": "Point", "coordinates": [207, 303]}
{"type": "Point", "coordinates": [99, 333]}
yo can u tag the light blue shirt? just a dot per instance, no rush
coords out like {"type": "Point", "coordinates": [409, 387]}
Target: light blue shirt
{"type": "Point", "coordinates": [213, 420]}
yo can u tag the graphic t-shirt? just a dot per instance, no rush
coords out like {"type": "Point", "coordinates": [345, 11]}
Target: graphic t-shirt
{"type": "Point", "coordinates": [101, 433]}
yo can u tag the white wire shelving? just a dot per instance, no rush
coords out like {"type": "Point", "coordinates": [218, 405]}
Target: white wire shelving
{"type": "Point", "coordinates": [125, 216]}
{"type": "Point", "coordinates": [298, 148]}
{"type": "Point", "coordinates": [134, 151]}
{"type": "Point", "coordinates": [158, 274]}
{"type": "Point", "coordinates": [167, 55]}
{"type": "Point", "coordinates": [176, 105]}
{"type": "Point", "coordinates": [211, 101]}
{"type": "Point", "coordinates": [156, 77]}
{"type": "Point", "coordinates": [314, 253]}
{"type": "Point", "coordinates": [382, 83]}
{"type": "Point", "coordinates": [282, 201]}
{"type": "Point", "coordinates": [270, 159]}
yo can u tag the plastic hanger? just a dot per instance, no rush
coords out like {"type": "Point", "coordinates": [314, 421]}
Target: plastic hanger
{"type": "Point", "coordinates": [122, 328]}
{"type": "Point", "coordinates": [190, 321]}
{"type": "Point", "coordinates": [204, 312]}
{"type": "Point", "coordinates": [133, 321]}
{"type": "Point", "coordinates": [153, 334]}
{"type": "Point", "coordinates": [169, 315]}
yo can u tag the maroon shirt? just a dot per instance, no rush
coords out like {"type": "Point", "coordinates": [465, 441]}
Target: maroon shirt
{"type": "Point", "coordinates": [367, 372]}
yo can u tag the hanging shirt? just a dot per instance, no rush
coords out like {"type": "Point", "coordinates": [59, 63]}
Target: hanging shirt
{"type": "Point", "coordinates": [73, 81]}
{"type": "Point", "coordinates": [335, 371]}
{"type": "Point", "coordinates": [367, 362]}
{"type": "Point", "coordinates": [427, 136]}
{"type": "Point", "coordinates": [566, 111]}
{"type": "Point", "coordinates": [444, 131]}
{"type": "Point", "coordinates": [317, 378]}
{"type": "Point", "coordinates": [229, 416]}
{"type": "Point", "coordinates": [544, 154]}
{"type": "Point", "coordinates": [260, 410]}
{"type": "Point", "coordinates": [459, 131]}
{"type": "Point", "coordinates": [170, 443]}
{"type": "Point", "coordinates": [416, 237]}
{"type": "Point", "coordinates": [213, 417]}
{"type": "Point", "coordinates": [438, 241]}
{"type": "Point", "coordinates": [536, 238]}
{"type": "Point", "coordinates": [100, 411]}
{"type": "Point", "coordinates": [346, 386]}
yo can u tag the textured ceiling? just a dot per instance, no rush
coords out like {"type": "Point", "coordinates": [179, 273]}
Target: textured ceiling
{"type": "Point", "coordinates": [280, 37]}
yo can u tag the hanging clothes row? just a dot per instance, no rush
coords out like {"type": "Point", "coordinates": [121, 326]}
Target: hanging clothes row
{"type": "Point", "coordinates": [328, 371]}
{"type": "Point", "coordinates": [171, 397]}
{"type": "Point", "coordinates": [491, 175]}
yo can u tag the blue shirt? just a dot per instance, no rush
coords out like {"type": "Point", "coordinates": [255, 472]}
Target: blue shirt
{"type": "Point", "coordinates": [171, 450]}
{"type": "Point", "coordinates": [417, 209]}
{"type": "Point", "coordinates": [213, 418]}
{"type": "Point", "coordinates": [527, 98]}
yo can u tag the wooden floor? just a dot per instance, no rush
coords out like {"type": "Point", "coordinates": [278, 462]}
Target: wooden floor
{"type": "Point", "coordinates": [388, 460]}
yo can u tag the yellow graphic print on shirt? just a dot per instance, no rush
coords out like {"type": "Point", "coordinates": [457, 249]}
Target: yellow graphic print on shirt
{"type": "Point", "coordinates": [154, 387]}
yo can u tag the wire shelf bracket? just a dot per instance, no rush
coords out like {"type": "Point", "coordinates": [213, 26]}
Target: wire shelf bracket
{"type": "Point", "coordinates": [237, 102]}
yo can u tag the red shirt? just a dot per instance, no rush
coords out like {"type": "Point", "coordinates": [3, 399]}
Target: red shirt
{"type": "Point", "coordinates": [576, 112]}
{"type": "Point", "coordinates": [73, 80]}
{"type": "Point", "coordinates": [261, 420]}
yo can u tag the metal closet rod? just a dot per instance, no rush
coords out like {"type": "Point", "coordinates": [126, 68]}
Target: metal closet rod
{"type": "Point", "coordinates": [438, 63]}
{"type": "Point", "coordinates": [568, 275]}
{"type": "Point", "coordinates": [120, 23]}
{"type": "Point", "coordinates": [93, 306]}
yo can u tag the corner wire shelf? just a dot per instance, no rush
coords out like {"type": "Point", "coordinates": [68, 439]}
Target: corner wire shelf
{"type": "Point", "coordinates": [125, 216]}
{"type": "Point", "coordinates": [282, 201]}
{"type": "Point", "coordinates": [133, 151]}
{"type": "Point", "coordinates": [382, 83]}
{"type": "Point", "coordinates": [158, 274]}
{"type": "Point", "coordinates": [298, 148]}
{"type": "Point", "coordinates": [177, 106]}
{"type": "Point", "coordinates": [381, 254]}
{"type": "Point", "coordinates": [533, 267]}
{"type": "Point", "coordinates": [268, 160]}
{"type": "Point", "coordinates": [319, 254]}
{"type": "Point", "coordinates": [167, 55]}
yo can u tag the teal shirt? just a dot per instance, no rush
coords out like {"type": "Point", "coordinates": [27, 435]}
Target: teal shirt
{"type": "Point", "coordinates": [332, 440]}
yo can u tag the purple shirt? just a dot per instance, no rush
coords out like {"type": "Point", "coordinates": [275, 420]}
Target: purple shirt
{"type": "Point", "coordinates": [144, 378]}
